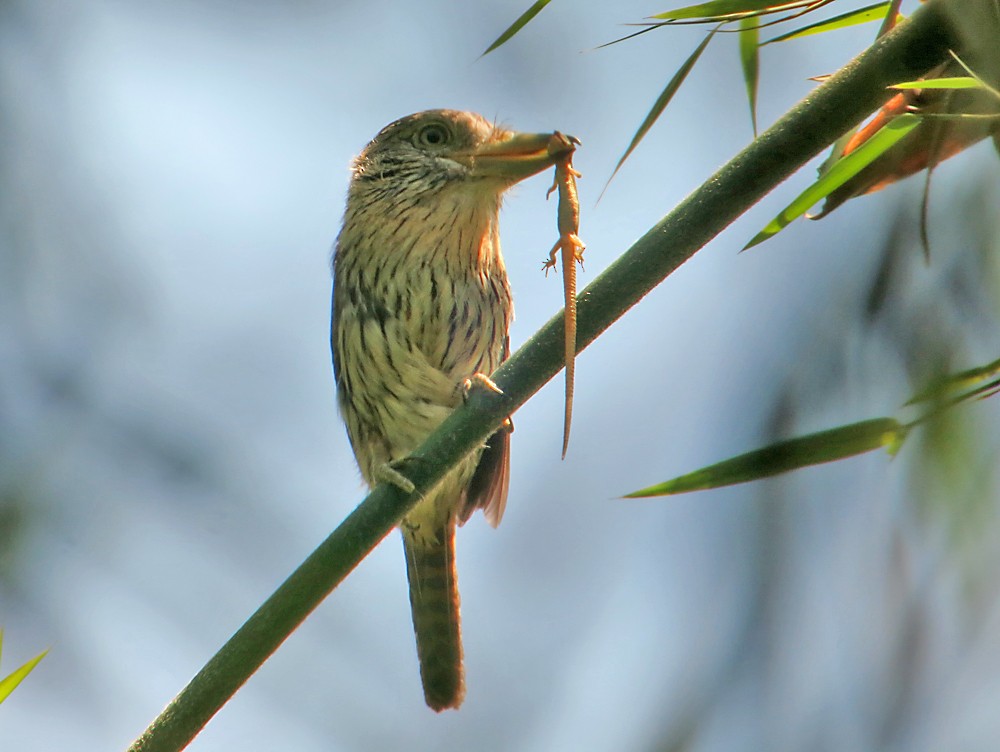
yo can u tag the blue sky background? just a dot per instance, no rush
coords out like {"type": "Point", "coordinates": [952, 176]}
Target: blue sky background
{"type": "Point", "coordinates": [173, 176]}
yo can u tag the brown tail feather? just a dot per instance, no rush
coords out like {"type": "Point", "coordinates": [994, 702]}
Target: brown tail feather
{"type": "Point", "coordinates": [434, 603]}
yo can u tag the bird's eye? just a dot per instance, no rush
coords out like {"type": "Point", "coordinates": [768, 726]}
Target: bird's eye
{"type": "Point", "coordinates": [433, 135]}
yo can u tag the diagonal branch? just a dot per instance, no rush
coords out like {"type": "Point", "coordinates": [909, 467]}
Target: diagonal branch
{"type": "Point", "coordinates": [846, 98]}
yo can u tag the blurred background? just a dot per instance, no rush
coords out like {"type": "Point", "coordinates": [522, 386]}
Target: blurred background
{"type": "Point", "coordinates": [172, 177]}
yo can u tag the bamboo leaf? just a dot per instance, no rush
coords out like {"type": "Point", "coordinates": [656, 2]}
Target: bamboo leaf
{"type": "Point", "coordinates": [750, 62]}
{"type": "Point", "coordinates": [717, 10]}
{"type": "Point", "coordinates": [838, 174]}
{"type": "Point", "coordinates": [519, 24]}
{"type": "Point", "coordinates": [972, 74]}
{"type": "Point", "coordinates": [954, 82]}
{"type": "Point", "coordinates": [946, 388]}
{"type": "Point", "coordinates": [783, 456]}
{"type": "Point", "coordinates": [862, 15]}
{"type": "Point", "coordinates": [661, 103]}
{"type": "Point", "coordinates": [10, 682]}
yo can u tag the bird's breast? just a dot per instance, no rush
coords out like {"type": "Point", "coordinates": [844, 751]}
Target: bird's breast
{"type": "Point", "coordinates": [430, 274]}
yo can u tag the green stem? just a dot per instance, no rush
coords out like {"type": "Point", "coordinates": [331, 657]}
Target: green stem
{"type": "Point", "coordinates": [858, 89]}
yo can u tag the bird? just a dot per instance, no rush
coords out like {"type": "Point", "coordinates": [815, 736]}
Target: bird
{"type": "Point", "coordinates": [421, 315]}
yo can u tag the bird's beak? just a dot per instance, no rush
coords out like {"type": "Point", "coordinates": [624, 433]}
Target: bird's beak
{"type": "Point", "coordinates": [515, 156]}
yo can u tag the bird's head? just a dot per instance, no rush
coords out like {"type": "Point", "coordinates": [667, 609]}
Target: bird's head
{"type": "Point", "coordinates": [433, 150]}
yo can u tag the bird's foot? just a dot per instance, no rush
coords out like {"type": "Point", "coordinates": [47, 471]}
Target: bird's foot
{"type": "Point", "coordinates": [389, 473]}
{"type": "Point", "coordinates": [478, 381]}
{"type": "Point", "coordinates": [485, 383]}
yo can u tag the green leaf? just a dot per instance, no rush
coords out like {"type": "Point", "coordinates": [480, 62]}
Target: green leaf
{"type": "Point", "coordinates": [955, 82]}
{"type": "Point", "coordinates": [838, 174]}
{"type": "Point", "coordinates": [836, 152]}
{"type": "Point", "coordinates": [519, 24]}
{"type": "Point", "coordinates": [661, 103]}
{"type": "Point", "coordinates": [9, 683]}
{"type": "Point", "coordinates": [947, 388]}
{"type": "Point", "coordinates": [749, 60]}
{"type": "Point", "coordinates": [718, 10]}
{"type": "Point", "coordinates": [814, 449]}
{"type": "Point", "coordinates": [862, 15]}
{"type": "Point", "coordinates": [972, 74]}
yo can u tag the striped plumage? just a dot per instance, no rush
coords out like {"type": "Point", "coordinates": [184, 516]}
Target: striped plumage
{"type": "Point", "coordinates": [421, 303]}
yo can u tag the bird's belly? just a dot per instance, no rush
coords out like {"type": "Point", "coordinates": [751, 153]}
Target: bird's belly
{"type": "Point", "coordinates": [408, 367]}
{"type": "Point", "coordinates": [464, 335]}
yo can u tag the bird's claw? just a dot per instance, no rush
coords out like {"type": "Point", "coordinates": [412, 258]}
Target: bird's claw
{"type": "Point", "coordinates": [386, 473]}
{"type": "Point", "coordinates": [479, 381]}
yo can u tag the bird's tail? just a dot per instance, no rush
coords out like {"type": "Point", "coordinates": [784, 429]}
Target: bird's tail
{"type": "Point", "coordinates": [434, 602]}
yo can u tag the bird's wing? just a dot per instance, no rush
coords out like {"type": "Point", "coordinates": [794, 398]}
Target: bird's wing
{"type": "Point", "coordinates": [489, 485]}
{"type": "Point", "coordinates": [488, 488]}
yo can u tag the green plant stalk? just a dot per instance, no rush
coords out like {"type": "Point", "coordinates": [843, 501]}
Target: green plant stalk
{"type": "Point", "coordinates": [812, 125]}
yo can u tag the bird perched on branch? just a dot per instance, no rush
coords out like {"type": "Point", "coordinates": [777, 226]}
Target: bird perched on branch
{"type": "Point", "coordinates": [421, 313]}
